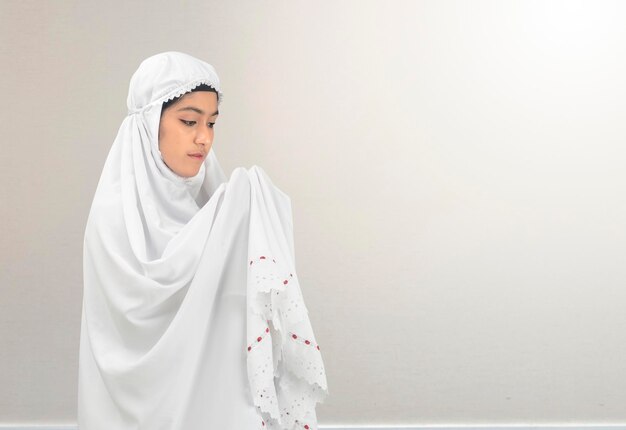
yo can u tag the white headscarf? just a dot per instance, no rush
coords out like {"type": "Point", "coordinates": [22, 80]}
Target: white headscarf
{"type": "Point", "coordinates": [192, 313]}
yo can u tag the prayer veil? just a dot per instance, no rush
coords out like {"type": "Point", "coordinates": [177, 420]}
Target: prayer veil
{"type": "Point", "coordinates": [192, 313]}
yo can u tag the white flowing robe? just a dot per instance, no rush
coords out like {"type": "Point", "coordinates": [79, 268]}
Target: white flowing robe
{"type": "Point", "coordinates": [192, 315]}
{"type": "Point", "coordinates": [162, 354]}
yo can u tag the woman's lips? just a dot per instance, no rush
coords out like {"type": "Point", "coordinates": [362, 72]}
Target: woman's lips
{"type": "Point", "coordinates": [198, 157]}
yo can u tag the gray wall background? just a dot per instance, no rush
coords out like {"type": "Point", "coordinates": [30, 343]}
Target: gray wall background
{"type": "Point", "coordinates": [456, 171]}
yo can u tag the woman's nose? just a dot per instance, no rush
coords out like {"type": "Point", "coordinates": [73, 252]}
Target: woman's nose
{"type": "Point", "coordinates": [204, 136]}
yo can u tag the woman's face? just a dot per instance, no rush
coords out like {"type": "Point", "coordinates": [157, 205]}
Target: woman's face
{"type": "Point", "coordinates": [186, 128]}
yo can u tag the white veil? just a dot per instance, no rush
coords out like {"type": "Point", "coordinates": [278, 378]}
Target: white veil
{"type": "Point", "coordinates": [192, 313]}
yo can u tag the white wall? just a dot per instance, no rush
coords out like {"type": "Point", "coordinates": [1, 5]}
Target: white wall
{"type": "Point", "coordinates": [456, 171]}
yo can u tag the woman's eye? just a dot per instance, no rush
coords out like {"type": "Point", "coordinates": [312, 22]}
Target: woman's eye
{"type": "Point", "coordinates": [191, 123]}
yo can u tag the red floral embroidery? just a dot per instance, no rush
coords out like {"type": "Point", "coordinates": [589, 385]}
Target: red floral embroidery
{"type": "Point", "coordinates": [305, 426]}
{"type": "Point", "coordinates": [293, 336]}
{"type": "Point", "coordinates": [304, 341]}
{"type": "Point", "coordinates": [259, 339]}
{"type": "Point", "coordinates": [262, 257]}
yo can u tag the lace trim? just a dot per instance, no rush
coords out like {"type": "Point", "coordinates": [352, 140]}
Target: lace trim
{"type": "Point", "coordinates": [285, 367]}
{"type": "Point", "coordinates": [179, 91]}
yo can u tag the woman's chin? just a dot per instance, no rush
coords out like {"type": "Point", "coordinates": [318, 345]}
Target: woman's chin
{"type": "Point", "coordinates": [191, 173]}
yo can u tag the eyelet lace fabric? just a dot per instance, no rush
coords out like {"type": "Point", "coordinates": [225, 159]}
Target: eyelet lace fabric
{"type": "Point", "coordinates": [285, 367]}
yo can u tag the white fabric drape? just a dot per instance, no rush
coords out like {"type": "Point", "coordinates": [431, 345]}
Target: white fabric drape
{"type": "Point", "coordinates": [193, 317]}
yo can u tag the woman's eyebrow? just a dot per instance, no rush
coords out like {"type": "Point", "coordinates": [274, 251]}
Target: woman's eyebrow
{"type": "Point", "coordinates": [195, 109]}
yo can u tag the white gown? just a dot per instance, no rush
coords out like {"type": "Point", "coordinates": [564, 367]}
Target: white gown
{"type": "Point", "coordinates": [192, 315]}
{"type": "Point", "coordinates": [208, 372]}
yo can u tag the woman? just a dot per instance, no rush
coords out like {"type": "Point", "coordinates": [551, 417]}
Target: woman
{"type": "Point", "coordinates": [192, 317]}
